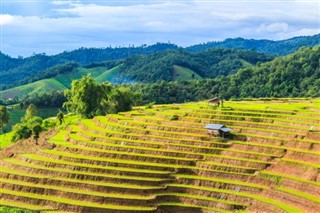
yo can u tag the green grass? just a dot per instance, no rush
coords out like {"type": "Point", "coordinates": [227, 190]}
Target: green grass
{"type": "Point", "coordinates": [77, 181]}
{"type": "Point", "coordinates": [299, 194]}
{"type": "Point", "coordinates": [75, 190]}
{"type": "Point", "coordinates": [84, 165]}
{"type": "Point", "coordinates": [234, 182]}
{"type": "Point", "coordinates": [108, 75]}
{"type": "Point", "coordinates": [8, 206]}
{"type": "Point", "coordinates": [290, 177]}
{"type": "Point", "coordinates": [15, 115]}
{"type": "Point", "coordinates": [260, 198]}
{"type": "Point", "coordinates": [38, 87]}
{"type": "Point", "coordinates": [183, 74]}
{"type": "Point", "coordinates": [69, 201]}
{"type": "Point", "coordinates": [67, 78]}
{"type": "Point", "coordinates": [95, 174]}
{"type": "Point", "coordinates": [5, 139]}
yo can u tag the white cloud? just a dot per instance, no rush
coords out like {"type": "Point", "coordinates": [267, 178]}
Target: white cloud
{"type": "Point", "coordinates": [273, 28]}
{"type": "Point", "coordinates": [6, 19]}
{"type": "Point", "coordinates": [102, 23]}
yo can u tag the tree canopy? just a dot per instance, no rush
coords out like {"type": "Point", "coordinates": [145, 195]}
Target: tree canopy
{"type": "Point", "coordinates": [88, 98]}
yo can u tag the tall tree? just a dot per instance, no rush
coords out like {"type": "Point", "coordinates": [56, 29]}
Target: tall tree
{"type": "Point", "coordinates": [87, 97]}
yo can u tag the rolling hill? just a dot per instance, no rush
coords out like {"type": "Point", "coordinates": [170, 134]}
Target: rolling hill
{"type": "Point", "coordinates": [15, 71]}
{"type": "Point", "coordinates": [145, 161]}
{"type": "Point", "coordinates": [173, 65]}
{"type": "Point", "coordinates": [278, 48]}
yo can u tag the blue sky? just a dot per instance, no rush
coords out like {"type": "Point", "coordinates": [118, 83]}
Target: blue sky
{"type": "Point", "coordinates": [52, 27]}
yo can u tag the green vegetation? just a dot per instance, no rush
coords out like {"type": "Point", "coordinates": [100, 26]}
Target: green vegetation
{"type": "Point", "coordinates": [295, 75]}
{"type": "Point", "coordinates": [30, 125]}
{"type": "Point", "coordinates": [4, 117]}
{"type": "Point", "coordinates": [144, 160]}
{"type": "Point", "coordinates": [283, 47]}
{"type": "Point", "coordinates": [106, 99]}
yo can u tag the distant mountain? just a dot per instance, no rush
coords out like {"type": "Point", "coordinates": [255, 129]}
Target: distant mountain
{"type": "Point", "coordinates": [169, 65]}
{"type": "Point", "coordinates": [277, 48]}
{"type": "Point", "coordinates": [14, 70]}
{"type": "Point", "coordinates": [174, 65]}
{"type": "Point", "coordinates": [18, 71]}
{"type": "Point", "coordinates": [295, 75]}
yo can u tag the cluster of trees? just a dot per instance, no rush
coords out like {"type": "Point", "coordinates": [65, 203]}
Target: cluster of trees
{"type": "Point", "coordinates": [54, 99]}
{"type": "Point", "coordinates": [296, 75]}
{"type": "Point", "coordinates": [88, 98]}
{"type": "Point", "coordinates": [30, 124]}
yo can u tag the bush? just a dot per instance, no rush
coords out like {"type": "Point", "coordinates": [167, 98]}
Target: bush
{"type": "Point", "coordinates": [174, 117]}
{"type": "Point", "coordinates": [150, 105]}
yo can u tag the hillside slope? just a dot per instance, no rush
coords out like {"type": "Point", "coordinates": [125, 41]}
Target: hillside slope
{"type": "Point", "coordinates": [206, 64]}
{"type": "Point", "coordinates": [295, 75]}
{"type": "Point", "coordinates": [279, 48]}
{"type": "Point", "coordinates": [57, 83]}
{"type": "Point", "coordinates": [145, 161]}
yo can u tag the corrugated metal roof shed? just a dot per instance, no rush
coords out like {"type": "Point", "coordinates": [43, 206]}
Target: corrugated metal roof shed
{"type": "Point", "coordinates": [214, 126]}
{"type": "Point", "coordinates": [217, 127]}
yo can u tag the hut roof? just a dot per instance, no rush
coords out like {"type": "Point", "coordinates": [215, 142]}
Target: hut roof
{"type": "Point", "coordinates": [218, 127]}
{"type": "Point", "coordinates": [214, 99]}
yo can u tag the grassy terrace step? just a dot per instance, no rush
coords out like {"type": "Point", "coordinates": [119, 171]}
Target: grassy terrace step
{"type": "Point", "coordinates": [122, 153]}
{"type": "Point", "coordinates": [89, 124]}
{"type": "Point", "coordinates": [299, 194]}
{"type": "Point", "coordinates": [314, 165]}
{"type": "Point", "coordinates": [262, 114]}
{"type": "Point", "coordinates": [76, 191]}
{"type": "Point", "coordinates": [94, 136]}
{"type": "Point", "coordinates": [88, 182]}
{"type": "Point", "coordinates": [146, 164]}
{"type": "Point", "coordinates": [229, 122]}
{"type": "Point", "coordinates": [186, 205]}
{"type": "Point", "coordinates": [277, 147]}
{"type": "Point", "coordinates": [234, 182]}
{"type": "Point", "coordinates": [66, 144]}
{"type": "Point", "coordinates": [84, 165]}
{"type": "Point", "coordinates": [197, 148]}
{"type": "Point", "coordinates": [76, 202]}
{"type": "Point", "coordinates": [69, 171]}
{"type": "Point", "coordinates": [145, 171]}
{"type": "Point", "coordinates": [247, 128]}
{"type": "Point", "coordinates": [20, 205]}
{"type": "Point", "coordinates": [203, 198]}
{"type": "Point", "coordinates": [282, 175]}
{"type": "Point", "coordinates": [237, 117]}
{"type": "Point", "coordinates": [260, 198]}
{"type": "Point", "coordinates": [105, 122]}
{"type": "Point", "coordinates": [263, 130]}
{"type": "Point", "coordinates": [201, 129]}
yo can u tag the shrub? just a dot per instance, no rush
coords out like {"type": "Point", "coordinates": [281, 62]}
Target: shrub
{"type": "Point", "coordinates": [174, 117]}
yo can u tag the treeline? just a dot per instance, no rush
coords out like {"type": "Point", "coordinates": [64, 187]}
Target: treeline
{"type": "Point", "coordinates": [18, 69]}
{"type": "Point", "coordinates": [278, 48]}
{"type": "Point", "coordinates": [208, 64]}
{"type": "Point", "coordinates": [296, 75]}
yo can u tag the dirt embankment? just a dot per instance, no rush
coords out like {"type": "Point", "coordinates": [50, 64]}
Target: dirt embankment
{"type": "Point", "coordinates": [29, 145]}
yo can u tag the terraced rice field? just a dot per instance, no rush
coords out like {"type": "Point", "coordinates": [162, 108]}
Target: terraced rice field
{"type": "Point", "coordinates": [142, 161]}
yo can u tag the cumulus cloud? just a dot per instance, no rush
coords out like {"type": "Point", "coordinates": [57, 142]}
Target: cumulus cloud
{"type": "Point", "coordinates": [273, 28]}
{"type": "Point", "coordinates": [73, 24]}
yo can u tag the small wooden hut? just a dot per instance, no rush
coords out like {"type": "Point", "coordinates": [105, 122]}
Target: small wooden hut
{"type": "Point", "coordinates": [218, 130]}
{"type": "Point", "coordinates": [214, 100]}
